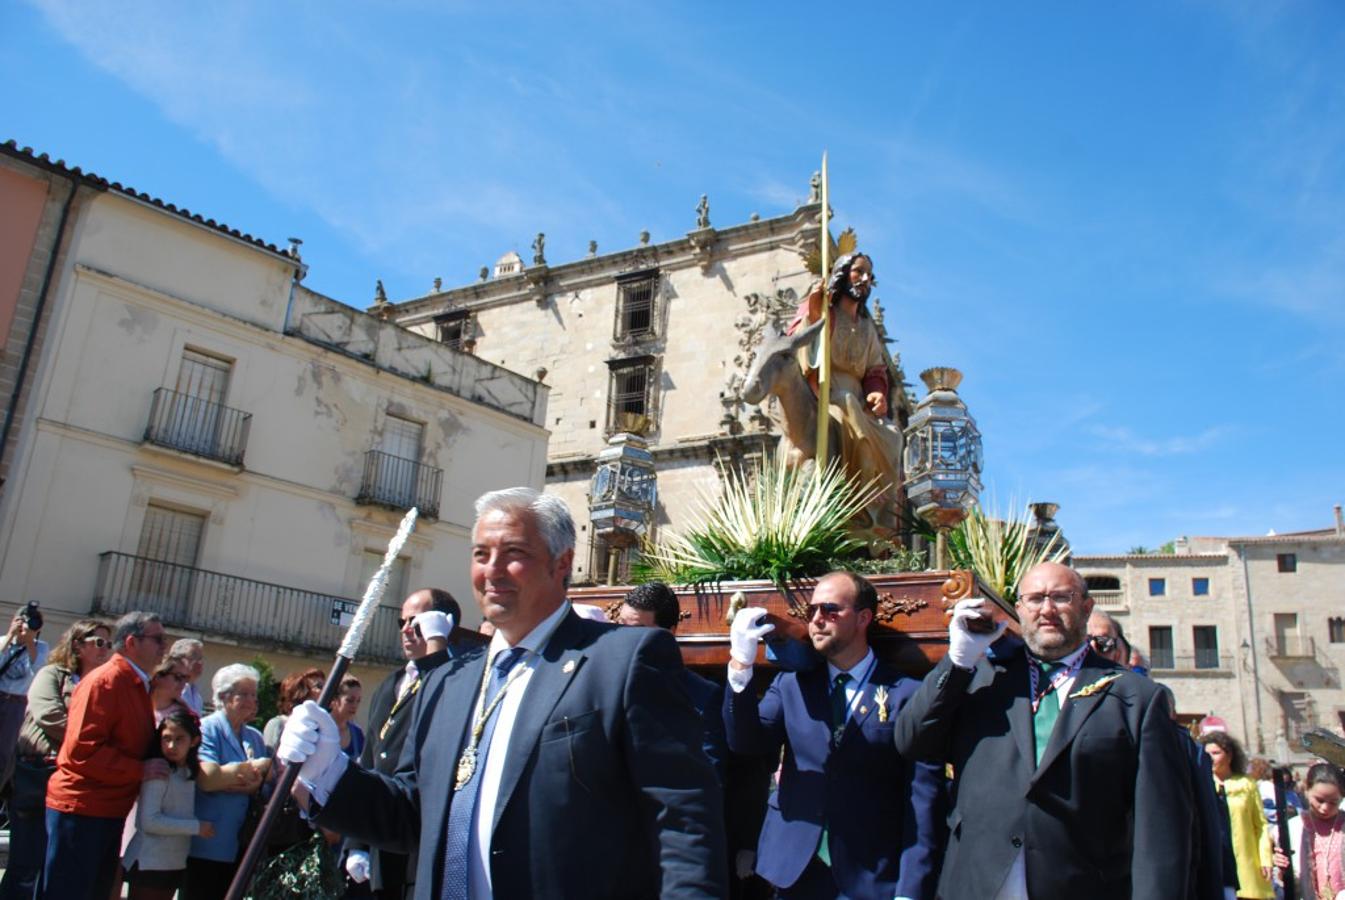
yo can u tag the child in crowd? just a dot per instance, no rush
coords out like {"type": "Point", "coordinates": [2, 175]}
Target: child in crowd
{"type": "Point", "coordinates": [165, 820]}
{"type": "Point", "coordinates": [1318, 837]}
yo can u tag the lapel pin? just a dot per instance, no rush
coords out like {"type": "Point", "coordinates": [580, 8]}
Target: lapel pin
{"type": "Point", "coordinates": [863, 710]}
{"type": "Point", "coordinates": [568, 667]}
{"type": "Point", "coordinates": [880, 697]}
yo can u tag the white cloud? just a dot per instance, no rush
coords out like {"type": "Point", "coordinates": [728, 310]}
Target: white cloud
{"type": "Point", "coordinates": [1123, 440]}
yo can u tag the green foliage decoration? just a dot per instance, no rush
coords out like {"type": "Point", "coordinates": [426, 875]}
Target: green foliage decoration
{"type": "Point", "coordinates": [268, 692]}
{"type": "Point", "coordinates": [1000, 549]}
{"type": "Point", "coordinates": [784, 524]}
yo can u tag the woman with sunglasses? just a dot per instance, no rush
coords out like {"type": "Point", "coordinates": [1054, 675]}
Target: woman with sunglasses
{"type": "Point", "coordinates": [165, 688]}
{"type": "Point", "coordinates": [85, 646]}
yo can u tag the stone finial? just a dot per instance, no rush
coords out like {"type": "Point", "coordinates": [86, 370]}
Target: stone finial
{"type": "Point", "coordinates": [539, 250]}
{"type": "Point", "coordinates": [483, 274]}
{"type": "Point", "coordinates": [644, 238]}
{"type": "Point", "coordinates": [815, 188]}
{"type": "Point", "coordinates": [703, 212]}
{"type": "Point", "coordinates": [755, 217]}
{"type": "Point", "coordinates": [438, 285]}
{"type": "Point", "coordinates": [380, 295]}
{"type": "Point", "coordinates": [592, 248]}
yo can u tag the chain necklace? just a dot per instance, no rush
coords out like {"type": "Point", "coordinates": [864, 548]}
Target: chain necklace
{"type": "Point", "coordinates": [1326, 846]}
{"type": "Point", "coordinates": [1061, 675]}
{"type": "Point", "coordinates": [397, 707]}
{"type": "Point", "coordinates": [467, 762]}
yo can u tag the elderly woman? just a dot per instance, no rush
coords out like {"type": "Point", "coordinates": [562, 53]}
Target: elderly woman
{"type": "Point", "coordinates": [233, 763]}
{"type": "Point", "coordinates": [1251, 832]}
{"type": "Point", "coordinates": [85, 646]}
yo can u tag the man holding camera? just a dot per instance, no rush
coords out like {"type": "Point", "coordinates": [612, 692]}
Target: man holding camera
{"type": "Point", "coordinates": [22, 653]}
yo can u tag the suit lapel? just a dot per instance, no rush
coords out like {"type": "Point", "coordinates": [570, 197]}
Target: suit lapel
{"type": "Point", "coordinates": [867, 705]}
{"type": "Point", "coordinates": [1075, 711]}
{"type": "Point", "coordinates": [813, 690]}
{"type": "Point", "coordinates": [554, 670]}
{"type": "Point", "coordinates": [453, 701]}
{"type": "Point", "coordinates": [1020, 707]}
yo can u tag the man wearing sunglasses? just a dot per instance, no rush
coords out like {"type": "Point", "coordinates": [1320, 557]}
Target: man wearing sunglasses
{"type": "Point", "coordinates": [851, 818]}
{"type": "Point", "coordinates": [102, 763]}
{"type": "Point", "coordinates": [427, 620]}
{"type": "Point", "coordinates": [1070, 781]}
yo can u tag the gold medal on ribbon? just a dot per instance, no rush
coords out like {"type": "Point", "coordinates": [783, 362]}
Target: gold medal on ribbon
{"type": "Point", "coordinates": [466, 768]}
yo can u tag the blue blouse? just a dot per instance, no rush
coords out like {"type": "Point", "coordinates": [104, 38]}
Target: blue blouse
{"type": "Point", "coordinates": [224, 810]}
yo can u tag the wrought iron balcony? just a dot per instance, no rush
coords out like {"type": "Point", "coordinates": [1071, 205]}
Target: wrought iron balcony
{"type": "Point", "coordinates": [1290, 646]}
{"type": "Point", "coordinates": [271, 615]}
{"type": "Point", "coordinates": [196, 426]}
{"type": "Point", "coordinates": [400, 483]}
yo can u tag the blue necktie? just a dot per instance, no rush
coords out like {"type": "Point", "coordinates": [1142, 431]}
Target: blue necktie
{"type": "Point", "coordinates": [462, 806]}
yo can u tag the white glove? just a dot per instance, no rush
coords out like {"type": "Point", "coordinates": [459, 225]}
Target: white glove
{"type": "Point", "coordinates": [434, 624]}
{"type": "Point", "coordinates": [312, 741]}
{"type": "Point", "coordinates": [357, 865]}
{"type": "Point", "coordinates": [965, 646]}
{"type": "Point", "coordinates": [746, 633]}
{"type": "Point", "coordinates": [590, 612]}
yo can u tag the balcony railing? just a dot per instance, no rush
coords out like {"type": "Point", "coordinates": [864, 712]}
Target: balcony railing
{"type": "Point", "coordinates": [1203, 660]}
{"type": "Point", "coordinates": [1290, 647]}
{"type": "Point", "coordinates": [273, 615]}
{"type": "Point", "coordinates": [400, 483]}
{"type": "Point", "coordinates": [193, 425]}
{"type": "Point", "coordinates": [1108, 599]}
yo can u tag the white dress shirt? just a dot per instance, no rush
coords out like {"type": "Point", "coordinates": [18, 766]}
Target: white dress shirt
{"type": "Point", "coordinates": [478, 849]}
{"type": "Point", "coordinates": [1015, 883]}
{"type": "Point", "coordinates": [859, 674]}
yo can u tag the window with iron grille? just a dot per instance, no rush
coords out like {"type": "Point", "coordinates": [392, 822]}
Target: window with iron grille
{"type": "Point", "coordinates": [1160, 647]}
{"type": "Point", "coordinates": [1206, 639]}
{"type": "Point", "coordinates": [166, 555]}
{"type": "Point", "coordinates": [635, 306]}
{"type": "Point", "coordinates": [630, 393]}
{"type": "Point", "coordinates": [1335, 629]}
{"type": "Point", "coordinates": [453, 329]}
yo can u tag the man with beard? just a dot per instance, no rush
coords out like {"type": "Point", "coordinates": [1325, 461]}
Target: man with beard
{"type": "Point", "coordinates": [427, 621]}
{"type": "Point", "coordinates": [1069, 778]}
{"type": "Point", "coordinates": [851, 818]}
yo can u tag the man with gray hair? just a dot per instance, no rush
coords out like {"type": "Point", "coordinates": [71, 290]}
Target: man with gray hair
{"type": "Point", "coordinates": [191, 652]}
{"type": "Point", "coordinates": [101, 763]}
{"type": "Point", "coordinates": [518, 755]}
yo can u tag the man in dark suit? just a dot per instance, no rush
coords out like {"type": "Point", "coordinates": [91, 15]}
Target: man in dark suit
{"type": "Point", "coordinates": [1069, 778]}
{"type": "Point", "coordinates": [654, 605]}
{"type": "Point", "coordinates": [427, 621]}
{"type": "Point", "coordinates": [851, 818]}
{"type": "Point", "coordinates": [563, 761]}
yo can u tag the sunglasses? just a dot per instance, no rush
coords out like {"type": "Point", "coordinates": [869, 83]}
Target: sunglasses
{"type": "Point", "coordinates": [828, 610]}
{"type": "Point", "coordinates": [99, 642]}
{"type": "Point", "coordinates": [1103, 643]}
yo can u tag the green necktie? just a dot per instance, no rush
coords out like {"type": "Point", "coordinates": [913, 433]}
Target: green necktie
{"type": "Point", "coordinates": [1048, 709]}
{"type": "Point", "coordinates": [839, 709]}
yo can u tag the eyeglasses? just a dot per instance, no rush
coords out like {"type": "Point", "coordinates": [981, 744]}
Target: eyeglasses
{"type": "Point", "coordinates": [828, 610]}
{"type": "Point", "coordinates": [252, 695]}
{"type": "Point", "coordinates": [1059, 598]}
{"type": "Point", "coordinates": [99, 642]}
{"type": "Point", "coordinates": [1103, 643]}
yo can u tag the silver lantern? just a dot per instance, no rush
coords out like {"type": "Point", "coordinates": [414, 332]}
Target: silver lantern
{"type": "Point", "coordinates": [943, 458]}
{"type": "Point", "coordinates": [622, 496]}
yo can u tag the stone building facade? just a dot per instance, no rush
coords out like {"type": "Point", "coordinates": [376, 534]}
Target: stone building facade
{"type": "Point", "coordinates": [208, 439]}
{"type": "Point", "coordinates": [1250, 629]}
{"type": "Point", "coordinates": [656, 338]}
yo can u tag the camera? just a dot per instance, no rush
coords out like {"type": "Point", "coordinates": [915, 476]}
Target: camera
{"type": "Point", "coordinates": [31, 616]}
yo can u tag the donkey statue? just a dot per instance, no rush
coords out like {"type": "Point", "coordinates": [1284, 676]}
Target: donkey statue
{"type": "Point", "coordinates": [776, 372]}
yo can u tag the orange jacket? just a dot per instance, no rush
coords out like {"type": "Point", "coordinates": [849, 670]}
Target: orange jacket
{"type": "Point", "coordinates": [110, 730]}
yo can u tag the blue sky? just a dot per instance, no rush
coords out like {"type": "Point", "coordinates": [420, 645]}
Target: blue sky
{"type": "Point", "coordinates": [1124, 222]}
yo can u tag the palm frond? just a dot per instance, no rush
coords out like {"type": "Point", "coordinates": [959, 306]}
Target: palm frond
{"type": "Point", "coordinates": [785, 523]}
{"type": "Point", "coordinates": [1001, 549]}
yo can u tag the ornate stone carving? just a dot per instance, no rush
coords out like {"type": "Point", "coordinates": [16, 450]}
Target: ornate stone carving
{"type": "Point", "coordinates": [890, 607]}
{"type": "Point", "coordinates": [539, 250]}
{"type": "Point", "coordinates": [703, 246]}
{"type": "Point", "coordinates": [762, 310]}
{"type": "Point", "coordinates": [703, 212]}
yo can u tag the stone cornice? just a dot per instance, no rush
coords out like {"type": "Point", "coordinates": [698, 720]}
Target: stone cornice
{"type": "Point", "coordinates": [698, 248]}
{"type": "Point", "coordinates": [703, 449]}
